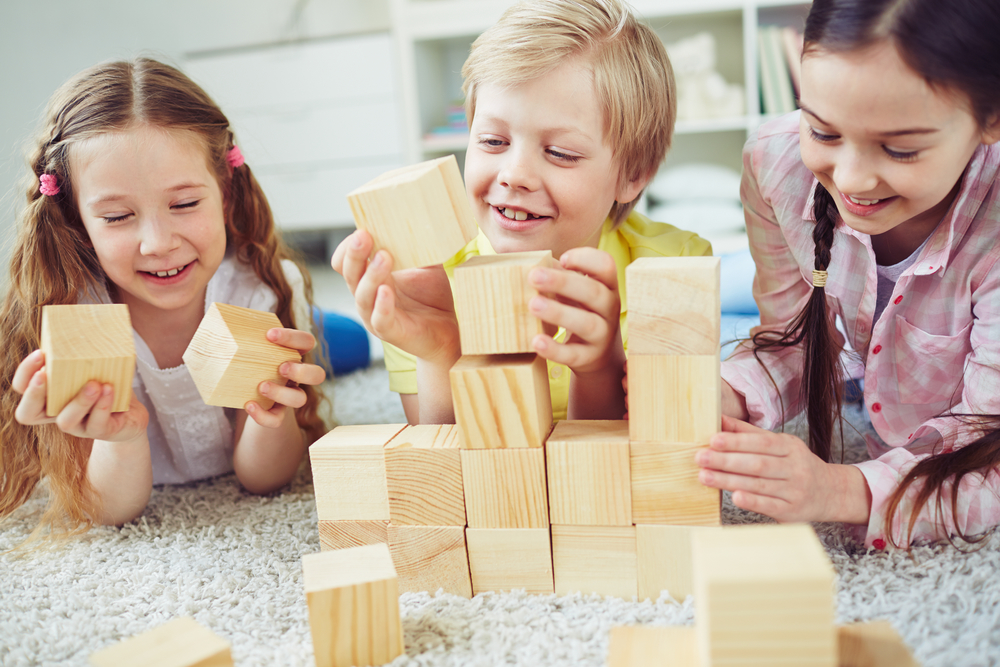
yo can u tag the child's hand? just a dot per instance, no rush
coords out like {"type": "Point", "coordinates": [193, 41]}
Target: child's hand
{"type": "Point", "coordinates": [777, 475]}
{"type": "Point", "coordinates": [411, 309]}
{"type": "Point", "coordinates": [296, 373]}
{"type": "Point", "coordinates": [88, 415]}
{"type": "Point", "coordinates": [587, 305]}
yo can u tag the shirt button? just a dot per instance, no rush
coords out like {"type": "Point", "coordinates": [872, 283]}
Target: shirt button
{"type": "Point", "coordinates": [898, 299]}
{"type": "Point", "coordinates": [876, 407]}
{"type": "Point", "coordinates": [877, 349]}
{"type": "Point", "coordinates": [556, 372]}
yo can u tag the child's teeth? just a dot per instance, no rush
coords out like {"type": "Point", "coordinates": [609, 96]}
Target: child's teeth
{"type": "Point", "coordinates": [514, 215]}
{"type": "Point", "coordinates": [520, 215]}
{"type": "Point", "coordinates": [166, 274]}
{"type": "Point", "coordinates": [864, 202]}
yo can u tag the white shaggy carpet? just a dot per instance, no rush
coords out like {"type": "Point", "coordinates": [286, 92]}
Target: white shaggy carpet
{"type": "Point", "coordinates": [233, 562]}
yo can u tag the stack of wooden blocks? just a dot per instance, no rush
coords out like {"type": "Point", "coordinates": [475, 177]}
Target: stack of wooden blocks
{"type": "Point", "coordinates": [501, 500]}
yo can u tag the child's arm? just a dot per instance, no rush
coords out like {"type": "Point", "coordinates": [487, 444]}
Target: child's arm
{"type": "Point", "coordinates": [119, 468]}
{"type": "Point", "coordinates": [586, 303]}
{"type": "Point", "coordinates": [270, 446]}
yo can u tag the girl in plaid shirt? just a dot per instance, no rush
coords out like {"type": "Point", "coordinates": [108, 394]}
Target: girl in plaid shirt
{"type": "Point", "coordinates": [877, 203]}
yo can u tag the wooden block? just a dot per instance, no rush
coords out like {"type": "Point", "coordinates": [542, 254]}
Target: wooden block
{"type": "Point", "coordinates": [420, 214]}
{"type": "Point", "coordinates": [348, 467]}
{"type": "Point", "coordinates": [587, 463]}
{"type": "Point", "coordinates": [674, 398]}
{"type": "Point", "coordinates": [84, 342]}
{"type": "Point", "coordinates": [665, 487]}
{"type": "Point", "coordinates": [230, 356]}
{"type": "Point", "coordinates": [428, 558]}
{"type": "Point", "coordinates": [347, 534]}
{"type": "Point", "coordinates": [652, 646]}
{"type": "Point", "coordinates": [503, 559]}
{"type": "Point", "coordinates": [663, 560]}
{"type": "Point", "coordinates": [501, 401]}
{"type": "Point", "coordinates": [765, 596]}
{"type": "Point", "coordinates": [182, 642]}
{"type": "Point", "coordinates": [594, 559]}
{"type": "Point", "coordinates": [872, 644]}
{"type": "Point", "coordinates": [424, 474]}
{"type": "Point", "coordinates": [505, 488]}
{"type": "Point", "coordinates": [353, 600]}
{"type": "Point", "coordinates": [673, 305]}
{"type": "Point", "coordinates": [491, 302]}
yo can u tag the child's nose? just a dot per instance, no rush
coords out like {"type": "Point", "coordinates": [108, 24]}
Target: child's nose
{"type": "Point", "coordinates": [854, 175]}
{"type": "Point", "coordinates": [518, 172]}
{"type": "Point", "coordinates": [157, 237]}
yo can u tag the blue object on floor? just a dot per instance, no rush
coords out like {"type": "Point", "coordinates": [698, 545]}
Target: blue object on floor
{"type": "Point", "coordinates": [737, 271]}
{"type": "Point", "coordinates": [346, 341]}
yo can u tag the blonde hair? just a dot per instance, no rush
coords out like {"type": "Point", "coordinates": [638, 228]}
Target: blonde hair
{"type": "Point", "coordinates": [53, 262]}
{"type": "Point", "coordinates": [633, 79]}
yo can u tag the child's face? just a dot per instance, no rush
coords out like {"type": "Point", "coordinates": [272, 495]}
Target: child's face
{"type": "Point", "coordinates": [537, 152]}
{"type": "Point", "coordinates": [887, 146]}
{"type": "Point", "coordinates": [154, 213]}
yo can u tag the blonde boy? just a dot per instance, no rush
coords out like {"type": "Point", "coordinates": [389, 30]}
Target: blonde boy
{"type": "Point", "coordinates": [571, 111]}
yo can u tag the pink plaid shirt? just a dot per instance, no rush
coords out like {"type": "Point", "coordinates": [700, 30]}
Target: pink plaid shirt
{"type": "Point", "coordinates": [935, 349]}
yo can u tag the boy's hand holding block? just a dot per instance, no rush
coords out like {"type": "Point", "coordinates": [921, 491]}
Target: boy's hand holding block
{"type": "Point", "coordinates": [420, 213]}
{"type": "Point", "coordinates": [230, 356]}
{"type": "Point", "coordinates": [491, 302]}
{"type": "Point", "coordinates": [84, 342]}
{"type": "Point", "coordinates": [181, 642]}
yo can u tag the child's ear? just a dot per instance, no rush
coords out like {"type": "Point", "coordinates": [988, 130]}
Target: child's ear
{"type": "Point", "coordinates": [632, 189]}
{"type": "Point", "coordinates": [991, 133]}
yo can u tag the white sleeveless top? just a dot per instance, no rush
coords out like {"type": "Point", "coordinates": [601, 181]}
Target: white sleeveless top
{"type": "Point", "coordinates": [189, 440]}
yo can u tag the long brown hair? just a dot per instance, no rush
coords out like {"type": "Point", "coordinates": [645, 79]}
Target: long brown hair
{"type": "Point", "coordinates": [953, 46]}
{"type": "Point", "coordinates": [53, 263]}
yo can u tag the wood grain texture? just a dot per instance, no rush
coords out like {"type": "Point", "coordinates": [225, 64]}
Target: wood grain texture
{"type": "Point", "coordinates": [587, 463]}
{"type": "Point", "coordinates": [765, 596]}
{"type": "Point", "coordinates": [594, 559]}
{"type": "Point", "coordinates": [504, 559]}
{"type": "Point", "coordinates": [424, 477]}
{"type": "Point", "coordinates": [347, 534]}
{"type": "Point", "coordinates": [353, 600]}
{"type": "Point", "coordinates": [674, 398]}
{"type": "Point", "coordinates": [182, 642]}
{"type": "Point", "coordinates": [665, 487]}
{"type": "Point", "coordinates": [872, 644]}
{"type": "Point", "coordinates": [420, 213]}
{"type": "Point", "coordinates": [501, 401]}
{"type": "Point", "coordinates": [229, 356]}
{"type": "Point", "coordinates": [673, 305]}
{"type": "Point", "coordinates": [505, 488]}
{"type": "Point", "coordinates": [84, 342]}
{"type": "Point", "coordinates": [491, 302]}
{"type": "Point", "coordinates": [652, 646]}
{"type": "Point", "coordinates": [348, 467]}
{"type": "Point", "coordinates": [663, 557]}
{"type": "Point", "coordinates": [428, 558]}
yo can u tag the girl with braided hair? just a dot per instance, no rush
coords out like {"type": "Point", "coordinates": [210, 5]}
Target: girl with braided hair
{"type": "Point", "coordinates": [138, 195]}
{"type": "Point", "coordinates": [878, 205]}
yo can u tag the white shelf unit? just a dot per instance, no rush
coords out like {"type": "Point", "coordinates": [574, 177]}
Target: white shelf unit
{"type": "Point", "coordinates": [432, 39]}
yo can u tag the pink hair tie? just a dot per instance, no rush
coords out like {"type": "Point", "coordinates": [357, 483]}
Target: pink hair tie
{"type": "Point", "coordinates": [48, 185]}
{"type": "Point", "coordinates": [234, 157]}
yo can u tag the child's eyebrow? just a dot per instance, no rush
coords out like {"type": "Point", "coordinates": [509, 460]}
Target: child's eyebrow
{"type": "Point", "coordinates": [115, 197]}
{"type": "Point", "coordinates": [890, 133]}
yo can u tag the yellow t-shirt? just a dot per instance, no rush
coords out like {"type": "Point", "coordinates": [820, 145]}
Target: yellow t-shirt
{"type": "Point", "coordinates": [637, 236]}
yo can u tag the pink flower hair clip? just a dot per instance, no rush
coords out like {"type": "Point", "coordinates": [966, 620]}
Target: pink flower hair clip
{"type": "Point", "coordinates": [235, 157]}
{"type": "Point", "coordinates": [48, 185]}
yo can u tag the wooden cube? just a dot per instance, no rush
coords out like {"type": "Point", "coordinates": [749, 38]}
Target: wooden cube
{"type": "Point", "coordinates": [424, 474]}
{"type": "Point", "coordinates": [872, 644]}
{"type": "Point", "coordinates": [182, 642]}
{"type": "Point", "coordinates": [230, 356]}
{"type": "Point", "coordinates": [663, 556]}
{"type": "Point", "coordinates": [353, 599]}
{"type": "Point", "coordinates": [594, 559]}
{"type": "Point", "coordinates": [587, 463]}
{"type": "Point", "coordinates": [84, 342]}
{"type": "Point", "coordinates": [665, 487]}
{"type": "Point", "coordinates": [501, 401]}
{"type": "Point", "coordinates": [505, 488]}
{"type": "Point", "coordinates": [765, 596]}
{"type": "Point", "coordinates": [673, 305]}
{"type": "Point", "coordinates": [428, 558]}
{"type": "Point", "coordinates": [348, 467]}
{"type": "Point", "coordinates": [420, 214]}
{"type": "Point", "coordinates": [503, 559]}
{"type": "Point", "coordinates": [674, 398]}
{"type": "Point", "coordinates": [652, 646]}
{"type": "Point", "coordinates": [347, 534]}
{"type": "Point", "coordinates": [491, 302]}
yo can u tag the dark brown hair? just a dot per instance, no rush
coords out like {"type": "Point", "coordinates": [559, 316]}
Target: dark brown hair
{"type": "Point", "coordinates": [53, 263]}
{"type": "Point", "coordinates": [954, 46]}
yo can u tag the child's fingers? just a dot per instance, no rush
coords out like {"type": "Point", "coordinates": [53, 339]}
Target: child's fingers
{"type": "Point", "coordinates": [384, 322]}
{"type": "Point", "coordinates": [379, 270]}
{"type": "Point", "coordinates": [26, 370]}
{"type": "Point", "coordinates": [310, 374]}
{"type": "Point", "coordinates": [587, 325]}
{"type": "Point", "coordinates": [272, 418]}
{"type": "Point", "coordinates": [96, 423]}
{"type": "Point", "coordinates": [303, 341]}
{"type": "Point", "coordinates": [71, 417]}
{"type": "Point", "coordinates": [734, 425]}
{"type": "Point", "coordinates": [776, 508]}
{"type": "Point", "coordinates": [595, 263]}
{"type": "Point", "coordinates": [762, 486]}
{"type": "Point", "coordinates": [578, 289]}
{"type": "Point", "coordinates": [750, 465]}
{"type": "Point", "coordinates": [770, 444]}
{"type": "Point", "coordinates": [573, 355]}
{"type": "Point", "coordinates": [351, 257]}
{"type": "Point", "coordinates": [31, 408]}
{"type": "Point", "coordinates": [293, 397]}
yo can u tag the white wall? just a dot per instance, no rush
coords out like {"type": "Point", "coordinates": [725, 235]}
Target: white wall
{"type": "Point", "coordinates": [43, 43]}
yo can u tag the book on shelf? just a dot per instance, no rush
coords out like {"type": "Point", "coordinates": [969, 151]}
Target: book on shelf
{"type": "Point", "coordinates": [777, 94]}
